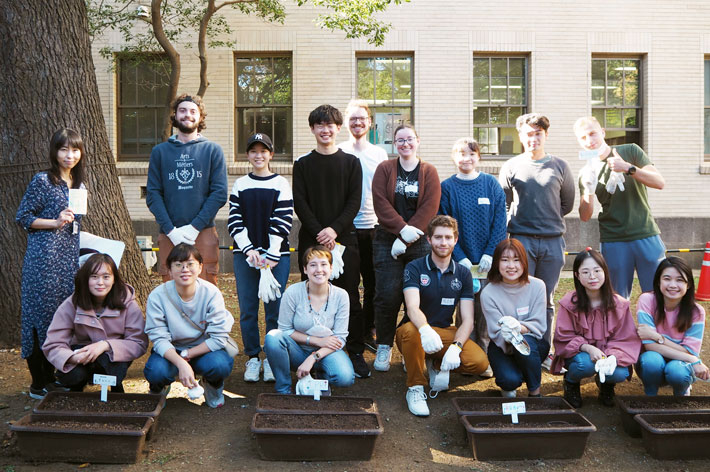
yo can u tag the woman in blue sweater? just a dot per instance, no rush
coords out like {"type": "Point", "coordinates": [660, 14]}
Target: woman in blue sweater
{"type": "Point", "coordinates": [260, 216]}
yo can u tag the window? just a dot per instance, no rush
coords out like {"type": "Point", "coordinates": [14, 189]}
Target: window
{"type": "Point", "coordinates": [142, 111]}
{"type": "Point", "coordinates": [263, 102]}
{"type": "Point", "coordinates": [386, 84]}
{"type": "Point", "coordinates": [707, 111]}
{"type": "Point", "coordinates": [616, 101]}
{"type": "Point", "coordinates": [500, 96]}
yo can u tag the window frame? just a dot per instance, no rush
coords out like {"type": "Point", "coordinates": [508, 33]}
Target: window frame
{"type": "Point", "coordinates": [288, 155]}
{"type": "Point", "coordinates": [119, 107]}
{"type": "Point", "coordinates": [706, 108]}
{"type": "Point", "coordinates": [373, 101]}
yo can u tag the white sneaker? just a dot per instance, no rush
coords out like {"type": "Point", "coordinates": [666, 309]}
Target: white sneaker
{"type": "Point", "coordinates": [547, 363]}
{"type": "Point", "coordinates": [383, 358]}
{"type": "Point", "coordinates": [268, 374]}
{"type": "Point", "coordinates": [487, 374]}
{"type": "Point", "coordinates": [213, 396]}
{"type": "Point", "coordinates": [251, 374]}
{"type": "Point", "coordinates": [508, 393]}
{"type": "Point", "coordinates": [416, 401]}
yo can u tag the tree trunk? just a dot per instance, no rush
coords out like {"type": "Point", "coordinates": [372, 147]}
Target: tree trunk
{"type": "Point", "coordinates": [48, 82]}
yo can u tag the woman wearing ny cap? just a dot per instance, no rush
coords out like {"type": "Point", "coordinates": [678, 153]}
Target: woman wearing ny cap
{"type": "Point", "coordinates": [260, 215]}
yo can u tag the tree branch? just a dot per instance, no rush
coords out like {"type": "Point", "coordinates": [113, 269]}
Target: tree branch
{"type": "Point", "coordinates": [173, 56]}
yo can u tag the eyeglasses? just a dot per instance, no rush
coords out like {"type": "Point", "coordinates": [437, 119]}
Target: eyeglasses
{"type": "Point", "coordinates": [191, 265]}
{"type": "Point", "coordinates": [409, 140]}
{"type": "Point", "coordinates": [362, 119]}
{"type": "Point", "coordinates": [588, 273]}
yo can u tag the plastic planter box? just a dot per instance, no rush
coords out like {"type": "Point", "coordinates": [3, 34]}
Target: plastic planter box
{"type": "Point", "coordinates": [629, 406]}
{"type": "Point", "coordinates": [490, 405]}
{"type": "Point", "coordinates": [690, 439]}
{"type": "Point", "coordinates": [93, 441]}
{"type": "Point", "coordinates": [536, 436]}
{"type": "Point", "coordinates": [278, 403]}
{"type": "Point", "coordinates": [147, 405]}
{"type": "Point", "coordinates": [315, 436]}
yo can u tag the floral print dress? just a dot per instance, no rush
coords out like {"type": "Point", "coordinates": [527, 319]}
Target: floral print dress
{"type": "Point", "coordinates": [51, 259]}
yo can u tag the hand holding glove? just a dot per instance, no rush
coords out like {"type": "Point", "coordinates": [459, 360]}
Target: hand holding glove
{"type": "Point", "coordinates": [190, 234]}
{"type": "Point", "coordinates": [176, 236]}
{"type": "Point", "coordinates": [338, 264]}
{"type": "Point", "coordinates": [452, 358]}
{"type": "Point", "coordinates": [431, 341]}
{"type": "Point", "coordinates": [398, 248]}
{"type": "Point", "coordinates": [269, 288]}
{"type": "Point", "coordinates": [484, 265]}
{"type": "Point", "coordinates": [410, 233]}
{"type": "Point", "coordinates": [466, 263]}
{"type": "Point", "coordinates": [616, 180]}
{"type": "Point", "coordinates": [605, 366]}
{"type": "Point", "coordinates": [588, 178]}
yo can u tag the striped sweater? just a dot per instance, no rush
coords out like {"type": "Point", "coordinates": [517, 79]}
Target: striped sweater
{"type": "Point", "coordinates": [691, 340]}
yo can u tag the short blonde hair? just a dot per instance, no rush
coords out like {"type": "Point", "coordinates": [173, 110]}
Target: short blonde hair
{"type": "Point", "coordinates": [317, 251]}
{"type": "Point", "coordinates": [586, 121]}
{"type": "Point", "coordinates": [358, 103]}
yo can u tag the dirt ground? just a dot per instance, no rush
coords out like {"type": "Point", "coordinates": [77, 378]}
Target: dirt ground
{"type": "Point", "coordinates": [191, 436]}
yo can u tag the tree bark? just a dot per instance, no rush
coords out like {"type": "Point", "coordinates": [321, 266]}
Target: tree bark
{"type": "Point", "coordinates": [48, 82]}
{"type": "Point", "coordinates": [156, 18]}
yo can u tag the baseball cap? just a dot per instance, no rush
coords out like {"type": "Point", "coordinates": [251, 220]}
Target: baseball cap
{"type": "Point", "coordinates": [260, 138]}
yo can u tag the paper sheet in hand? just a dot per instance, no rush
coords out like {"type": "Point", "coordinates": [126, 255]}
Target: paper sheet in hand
{"type": "Point", "coordinates": [78, 200]}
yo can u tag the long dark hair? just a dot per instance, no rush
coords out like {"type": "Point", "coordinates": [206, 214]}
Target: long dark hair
{"type": "Point", "coordinates": [687, 303]}
{"type": "Point", "coordinates": [494, 275]}
{"type": "Point", "coordinates": [115, 298]}
{"type": "Point", "coordinates": [580, 298]}
{"type": "Point", "coordinates": [70, 138]}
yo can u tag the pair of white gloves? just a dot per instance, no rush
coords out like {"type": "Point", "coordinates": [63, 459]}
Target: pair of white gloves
{"type": "Point", "coordinates": [269, 288]}
{"type": "Point", "coordinates": [484, 265]}
{"type": "Point", "coordinates": [409, 234]}
{"type": "Point", "coordinates": [184, 234]}
{"type": "Point", "coordinates": [605, 366]}
{"type": "Point", "coordinates": [338, 264]}
{"type": "Point", "coordinates": [510, 330]}
{"type": "Point", "coordinates": [431, 342]}
{"type": "Point", "coordinates": [589, 177]}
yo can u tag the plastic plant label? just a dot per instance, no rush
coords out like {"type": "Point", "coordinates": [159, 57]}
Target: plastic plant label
{"type": "Point", "coordinates": [318, 386]}
{"type": "Point", "coordinates": [513, 409]}
{"type": "Point", "coordinates": [105, 381]}
{"type": "Point", "coordinates": [586, 155]}
{"type": "Point", "coordinates": [78, 200]}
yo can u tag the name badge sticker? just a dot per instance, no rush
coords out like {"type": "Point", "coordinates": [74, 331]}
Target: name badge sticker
{"type": "Point", "coordinates": [523, 310]}
{"type": "Point", "coordinates": [483, 201]}
{"type": "Point", "coordinates": [448, 301]}
{"type": "Point", "coordinates": [411, 189]}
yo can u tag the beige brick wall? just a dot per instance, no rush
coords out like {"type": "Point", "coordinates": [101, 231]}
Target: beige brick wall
{"type": "Point", "coordinates": [559, 37]}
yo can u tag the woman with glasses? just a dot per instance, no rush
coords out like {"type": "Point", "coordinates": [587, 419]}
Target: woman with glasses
{"type": "Point", "coordinates": [594, 324]}
{"type": "Point", "coordinates": [189, 326]}
{"type": "Point", "coordinates": [671, 326]}
{"type": "Point", "coordinates": [406, 194]}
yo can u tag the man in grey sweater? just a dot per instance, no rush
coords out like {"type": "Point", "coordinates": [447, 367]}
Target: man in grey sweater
{"type": "Point", "coordinates": [539, 192]}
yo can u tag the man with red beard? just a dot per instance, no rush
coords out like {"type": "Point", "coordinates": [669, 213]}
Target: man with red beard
{"type": "Point", "coordinates": [187, 185]}
{"type": "Point", "coordinates": [433, 286]}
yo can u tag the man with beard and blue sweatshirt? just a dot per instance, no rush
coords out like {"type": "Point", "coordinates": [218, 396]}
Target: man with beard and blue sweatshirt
{"type": "Point", "coordinates": [187, 185]}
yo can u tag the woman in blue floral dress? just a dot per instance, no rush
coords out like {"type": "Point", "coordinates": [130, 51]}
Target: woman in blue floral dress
{"type": "Point", "coordinates": [52, 256]}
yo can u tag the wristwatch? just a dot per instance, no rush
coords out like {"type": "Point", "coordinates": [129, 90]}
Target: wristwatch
{"type": "Point", "coordinates": [661, 340]}
{"type": "Point", "coordinates": [316, 356]}
{"type": "Point", "coordinates": [458, 344]}
{"type": "Point", "coordinates": [631, 171]}
{"type": "Point", "coordinates": [185, 355]}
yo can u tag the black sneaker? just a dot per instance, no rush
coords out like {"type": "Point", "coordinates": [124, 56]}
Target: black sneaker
{"type": "Point", "coordinates": [37, 393]}
{"type": "Point", "coordinates": [370, 343]}
{"type": "Point", "coordinates": [362, 371]}
{"type": "Point", "coordinates": [606, 394]}
{"type": "Point", "coordinates": [572, 394]}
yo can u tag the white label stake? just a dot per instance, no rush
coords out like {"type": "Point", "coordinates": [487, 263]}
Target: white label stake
{"type": "Point", "coordinates": [513, 409]}
{"type": "Point", "coordinates": [105, 381]}
{"type": "Point", "coordinates": [318, 386]}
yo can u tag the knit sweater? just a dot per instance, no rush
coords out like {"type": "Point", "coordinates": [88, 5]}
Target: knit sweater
{"type": "Point", "coordinates": [478, 206]}
{"type": "Point", "coordinates": [691, 340]}
{"type": "Point", "coordinates": [260, 215]}
{"type": "Point", "coordinates": [383, 184]}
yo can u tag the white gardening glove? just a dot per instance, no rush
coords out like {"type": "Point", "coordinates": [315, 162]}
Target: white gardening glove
{"type": "Point", "coordinates": [338, 264]}
{"type": "Point", "coordinates": [431, 341]}
{"type": "Point", "coordinates": [190, 234]}
{"type": "Point", "coordinates": [605, 366]}
{"type": "Point", "coordinates": [267, 284]}
{"type": "Point", "coordinates": [176, 236]}
{"type": "Point", "coordinates": [398, 248]}
{"type": "Point", "coordinates": [510, 330]}
{"type": "Point", "coordinates": [195, 392]}
{"type": "Point", "coordinates": [438, 379]}
{"type": "Point", "coordinates": [466, 263]}
{"type": "Point", "coordinates": [452, 358]}
{"type": "Point", "coordinates": [509, 323]}
{"type": "Point", "coordinates": [616, 180]}
{"type": "Point", "coordinates": [588, 177]}
{"type": "Point", "coordinates": [507, 334]}
{"type": "Point", "coordinates": [410, 233]}
{"type": "Point", "coordinates": [484, 265]}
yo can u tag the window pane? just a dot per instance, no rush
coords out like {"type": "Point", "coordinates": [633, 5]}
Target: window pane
{"type": "Point", "coordinates": [499, 67]}
{"type": "Point", "coordinates": [480, 68]}
{"type": "Point", "coordinates": [383, 80]}
{"type": "Point", "coordinates": [707, 129]}
{"type": "Point", "coordinates": [244, 81]}
{"type": "Point", "coordinates": [631, 82]}
{"type": "Point", "coordinates": [613, 118]}
{"type": "Point", "coordinates": [127, 84]}
{"type": "Point", "coordinates": [282, 130]}
{"type": "Point", "coordinates": [366, 79]}
{"type": "Point", "coordinates": [598, 70]}
{"type": "Point", "coordinates": [385, 121]}
{"type": "Point", "coordinates": [517, 67]}
{"type": "Point", "coordinates": [480, 90]}
{"type": "Point", "coordinates": [499, 90]}
{"type": "Point", "coordinates": [480, 115]}
{"type": "Point", "coordinates": [514, 113]}
{"type": "Point", "coordinates": [264, 121]}
{"type": "Point", "coordinates": [498, 115]}
{"type": "Point", "coordinates": [282, 81]}
{"type": "Point", "coordinates": [402, 80]}
{"type": "Point", "coordinates": [245, 127]}
{"type": "Point", "coordinates": [598, 113]}
{"type": "Point", "coordinates": [516, 91]}
{"type": "Point", "coordinates": [129, 131]}
{"type": "Point", "coordinates": [630, 118]}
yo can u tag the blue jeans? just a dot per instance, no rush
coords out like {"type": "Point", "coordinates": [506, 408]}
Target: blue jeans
{"type": "Point", "coordinates": [624, 256]}
{"type": "Point", "coordinates": [511, 370]}
{"type": "Point", "coordinates": [655, 371]}
{"type": "Point", "coordinates": [581, 366]}
{"type": "Point", "coordinates": [247, 292]}
{"type": "Point", "coordinates": [285, 355]}
{"type": "Point", "coordinates": [214, 367]}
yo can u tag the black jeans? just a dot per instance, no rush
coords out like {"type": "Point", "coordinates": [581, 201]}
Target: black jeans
{"type": "Point", "coordinates": [367, 272]}
{"type": "Point", "coordinates": [388, 281]}
{"type": "Point", "coordinates": [77, 378]}
{"type": "Point", "coordinates": [41, 370]}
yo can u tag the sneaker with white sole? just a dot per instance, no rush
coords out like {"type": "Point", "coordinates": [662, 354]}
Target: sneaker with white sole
{"type": "Point", "coordinates": [253, 367]}
{"type": "Point", "coordinates": [268, 373]}
{"type": "Point", "coordinates": [487, 374]}
{"type": "Point", "coordinates": [547, 363]}
{"type": "Point", "coordinates": [416, 401]}
{"type": "Point", "coordinates": [508, 393]}
{"type": "Point", "coordinates": [214, 396]}
{"type": "Point", "coordinates": [383, 358]}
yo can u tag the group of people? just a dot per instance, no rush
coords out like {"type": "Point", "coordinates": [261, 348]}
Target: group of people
{"type": "Point", "coordinates": [475, 260]}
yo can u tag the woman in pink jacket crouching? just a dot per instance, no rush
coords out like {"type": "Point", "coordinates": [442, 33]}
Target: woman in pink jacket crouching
{"type": "Point", "coordinates": [98, 329]}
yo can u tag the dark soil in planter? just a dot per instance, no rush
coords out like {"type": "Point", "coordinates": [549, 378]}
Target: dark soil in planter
{"type": "Point", "coordinates": [275, 402]}
{"type": "Point", "coordinates": [95, 405]}
{"type": "Point", "coordinates": [538, 423]}
{"type": "Point", "coordinates": [316, 421]}
{"type": "Point", "coordinates": [63, 425]}
{"type": "Point", "coordinates": [493, 405]}
{"type": "Point", "coordinates": [674, 403]}
{"type": "Point", "coordinates": [629, 406]}
{"type": "Point", "coordinates": [672, 436]}
{"type": "Point", "coordinates": [675, 423]}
